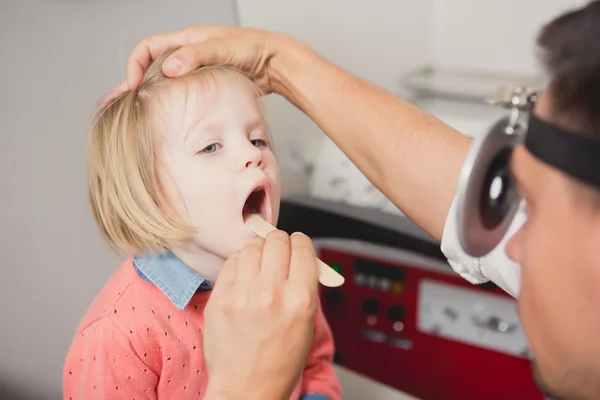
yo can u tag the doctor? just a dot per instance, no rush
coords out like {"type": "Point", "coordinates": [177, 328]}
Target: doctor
{"type": "Point", "coordinates": [416, 161]}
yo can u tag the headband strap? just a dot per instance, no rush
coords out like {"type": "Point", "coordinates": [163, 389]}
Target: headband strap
{"type": "Point", "coordinates": [572, 153]}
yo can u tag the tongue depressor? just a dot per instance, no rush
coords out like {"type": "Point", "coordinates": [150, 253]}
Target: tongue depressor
{"type": "Point", "coordinates": [327, 276]}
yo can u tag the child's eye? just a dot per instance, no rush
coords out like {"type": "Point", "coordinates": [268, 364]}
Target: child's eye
{"type": "Point", "coordinates": [258, 142]}
{"type": "Point", "coordinates": [210, 148]}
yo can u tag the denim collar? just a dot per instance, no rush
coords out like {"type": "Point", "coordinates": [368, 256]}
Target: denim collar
{"type": "Point", "coordinates": [172, 276]}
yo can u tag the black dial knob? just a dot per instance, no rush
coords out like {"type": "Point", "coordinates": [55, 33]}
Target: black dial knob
{"type": "Point", "coordinates": [370, 306]}
{"type": "Point", "coordinates": [396, 313]}
{"type": "Point", "coordinates": [333, 296]}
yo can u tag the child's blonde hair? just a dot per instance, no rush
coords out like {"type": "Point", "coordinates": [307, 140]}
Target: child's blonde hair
{"type": "Point", "coordinates": [123, 185]}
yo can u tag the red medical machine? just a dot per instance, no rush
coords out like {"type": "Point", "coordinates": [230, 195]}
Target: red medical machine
{"type": "Point", "coordinates": [404, 317]}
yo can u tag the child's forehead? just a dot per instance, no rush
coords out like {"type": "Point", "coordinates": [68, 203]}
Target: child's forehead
{"type": "Point", "coordinates": [207, 89]}
{"type": "Point", "coordinates": [184, 102]}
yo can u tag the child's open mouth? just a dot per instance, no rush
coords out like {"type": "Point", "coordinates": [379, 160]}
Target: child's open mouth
{"type": "Point", "coordinates": [259, 201]}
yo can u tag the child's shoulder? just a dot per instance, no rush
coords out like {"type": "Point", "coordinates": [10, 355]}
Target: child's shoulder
{"type": "Point", "coordinates": [121, 294]}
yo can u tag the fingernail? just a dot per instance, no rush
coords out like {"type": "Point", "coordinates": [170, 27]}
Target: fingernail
{"type": "Point", "coordinates": [174, 65]}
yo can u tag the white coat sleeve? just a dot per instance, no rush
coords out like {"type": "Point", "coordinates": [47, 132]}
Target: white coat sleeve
{"type": "Point", "coordinates": [495, 266]}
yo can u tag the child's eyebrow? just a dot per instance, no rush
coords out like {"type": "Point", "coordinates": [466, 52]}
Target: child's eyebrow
{"type": "Point", "coordinates": [196, 127]}
{"type": "Point", "coordinates": [259, 121]}
{"type": "Point", "coordinates": [202, 125]}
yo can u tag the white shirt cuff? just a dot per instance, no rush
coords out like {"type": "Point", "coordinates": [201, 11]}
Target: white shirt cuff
{"type": "Point", "coordinates": [495, 266]}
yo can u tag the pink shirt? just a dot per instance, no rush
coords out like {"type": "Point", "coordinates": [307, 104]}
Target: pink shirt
{"type": "Point", "coordinates": [133, 343]}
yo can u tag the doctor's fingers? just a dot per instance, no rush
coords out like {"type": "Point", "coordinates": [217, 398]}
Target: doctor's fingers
{"type": "Point", "coordinates": [242, 48]}
{"type": "Point", "coordinates": [303, 270]}
{"type": "Point", "coordinates": [248, 265]}
{"type": "Point", "coordinates": [276, 259]}
{"type": "Point", "coordinates": [149, 48]}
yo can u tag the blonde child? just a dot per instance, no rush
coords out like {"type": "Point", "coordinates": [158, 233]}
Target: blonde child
{"type": "Point", "coordinates": [172, 167]}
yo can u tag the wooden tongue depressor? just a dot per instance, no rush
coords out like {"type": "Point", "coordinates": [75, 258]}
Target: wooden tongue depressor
{"type": "Point", "coordinates": [327, 276]}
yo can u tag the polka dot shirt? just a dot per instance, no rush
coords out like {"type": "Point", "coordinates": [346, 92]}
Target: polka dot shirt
{"type": "Point", "coordinates": [133, 343]}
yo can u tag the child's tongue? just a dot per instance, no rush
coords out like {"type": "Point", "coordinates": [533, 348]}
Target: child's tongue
{"type": "Point", "coordinates": [248, 209]}
{"type": "Point", "coordinates": [253, 203]}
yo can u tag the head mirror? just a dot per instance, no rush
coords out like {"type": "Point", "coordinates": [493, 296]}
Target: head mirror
{"type": "Point", "coordinates": [487, 196]}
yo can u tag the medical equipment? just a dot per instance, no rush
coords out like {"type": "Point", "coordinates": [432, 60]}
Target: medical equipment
{"type": "Point", "coordinates": [487, 195]}
{"type": "Point", "coordinates": [403, 317]}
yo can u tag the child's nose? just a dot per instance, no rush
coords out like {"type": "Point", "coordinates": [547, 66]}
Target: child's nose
{"type": "Point", "coordinates": [253, 158]}
{"type": "Point", "coordinates": [254, 163]}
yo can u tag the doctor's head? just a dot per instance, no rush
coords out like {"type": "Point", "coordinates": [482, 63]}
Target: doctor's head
{"type": "Point", "coordinates": [174, 162]}
{"type": "Point", "coordinates": [559, 245]}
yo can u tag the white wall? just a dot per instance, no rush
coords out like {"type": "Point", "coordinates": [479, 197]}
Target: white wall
{"type": "Point", "coordinates": [58, 58]}
{"type": "Point", "coordinates": [377, 40]}
{"type": "Point", "coordinates": [501, 37]}
{"type": "Point", "coordinates": [381, 40]}
{"type": "Point", "coordinates": [484, 35]}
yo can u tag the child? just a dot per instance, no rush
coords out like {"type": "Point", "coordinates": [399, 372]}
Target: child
{"type": "Point", "coordinates": [172, 166]}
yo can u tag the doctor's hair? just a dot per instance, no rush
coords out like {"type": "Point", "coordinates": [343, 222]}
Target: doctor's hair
{"type": "Point", "coordinates": [570, 46]}
{"type": "Point", "coordinates": [124, 190]}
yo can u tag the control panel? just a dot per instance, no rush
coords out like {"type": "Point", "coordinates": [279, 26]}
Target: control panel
{"type": "Point", "coordinates": [485, 320]}
{"type": "Point", "coordinates": [410, 322]}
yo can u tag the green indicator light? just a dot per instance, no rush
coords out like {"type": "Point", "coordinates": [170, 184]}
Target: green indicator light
{"type": "Point", "coordinates": [337, 268]}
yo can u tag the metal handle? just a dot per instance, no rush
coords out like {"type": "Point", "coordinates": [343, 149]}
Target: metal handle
{"type": "Point", "coordinates": [494, 324]}
{"type": "Point", "coordinates": [518, 100]}
{"type": "Point", "coordinates": [519, 97]}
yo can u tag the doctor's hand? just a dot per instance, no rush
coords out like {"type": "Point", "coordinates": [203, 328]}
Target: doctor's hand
{"type": "Point", "coordinates": [259, 319]}
{"type": "Point", "coordinates": [253, 51]}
